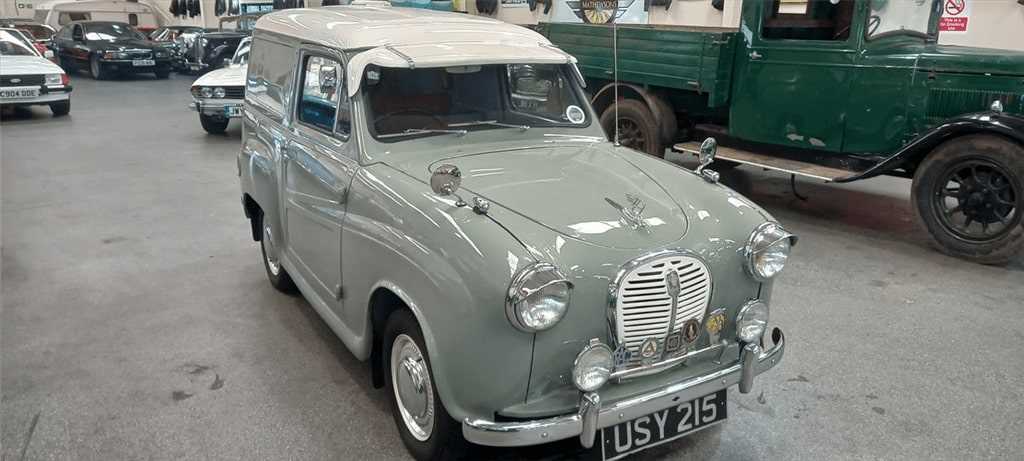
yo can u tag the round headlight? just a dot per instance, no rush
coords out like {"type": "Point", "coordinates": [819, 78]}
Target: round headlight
{"type": "Point", "coordinates": [537, 298]}
{"type": "Point", "coordinates": [752, 321]}
{"type": "Point", "coordinates": [218, 92]}
{"type": "Point", "coordinates": [206, 92]}
{"type": "Point", "coordinates": [592, 367]}
{"type": "Point", "coordinates": [767, 250]}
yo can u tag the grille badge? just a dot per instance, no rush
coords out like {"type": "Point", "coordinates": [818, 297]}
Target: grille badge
{"type": "Point", "coordinates": [649, 348]}
{"type": "Point", "coordinates": [15, 80]}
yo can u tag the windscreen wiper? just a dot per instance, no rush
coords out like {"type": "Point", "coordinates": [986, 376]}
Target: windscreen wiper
{"type": "Point", "coordinates": [415, 131]}
{"type": "Point", "coordinates": [492, 123]}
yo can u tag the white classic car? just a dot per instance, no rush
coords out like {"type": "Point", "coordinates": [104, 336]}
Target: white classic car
{"type": "Point", "coordinates": [218, 95]}
{"type": "Point", "coordinates": [29, 79]}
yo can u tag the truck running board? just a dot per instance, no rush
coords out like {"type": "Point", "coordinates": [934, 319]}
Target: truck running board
{"type": "Point", "coordinates": [809, 170]}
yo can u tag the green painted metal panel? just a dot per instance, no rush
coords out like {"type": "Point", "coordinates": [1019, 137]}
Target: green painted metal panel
{"type": "Point", "coordinates": [680, 58]}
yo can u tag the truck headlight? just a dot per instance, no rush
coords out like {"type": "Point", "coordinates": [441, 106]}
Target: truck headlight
{"type": "Point", "coordinates": [593, 366]}
{"type": "Point", "coordinates": [54, 80]}
{"type": "Point", "coordinates": [218, 92]}
{"type": "Point", "coordinates": [537, 298]}
{"type": "Point", "coordinates": [767, 250]}
{"type": "Point", "coordinates": [752, 321]}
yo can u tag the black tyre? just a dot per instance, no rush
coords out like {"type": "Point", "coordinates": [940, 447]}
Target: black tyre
{"type": "Point", "coordinates": [162, 72]}
{"type": "Point", "coordinates": [969, 195]}
{"type": "Point", "coordinates": [426, 428]}
{"type": "Point", "coordinates": [68, 65]}
{"type": "Point", "coordinates": [637, 128]}
{"type": "Point", "coordinates": [96, 68]}
{"type": "Point", "coordinates": [61, 108]}
{"type": "Point", "coordinates": [213, 125]}
{"type": "Point", "coordinates": [279, 277]}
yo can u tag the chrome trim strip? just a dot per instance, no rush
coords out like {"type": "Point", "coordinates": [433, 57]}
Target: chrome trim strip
{"type": "Point", "coordinates": [484, 432]}
{"type": "Point", "coordinates": [664, 364]}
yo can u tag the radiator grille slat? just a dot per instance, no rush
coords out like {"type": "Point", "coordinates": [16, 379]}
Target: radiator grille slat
{"type": "Point", "coordinates": [643, 307]}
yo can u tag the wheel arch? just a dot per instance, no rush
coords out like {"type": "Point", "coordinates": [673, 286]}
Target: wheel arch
{"type": "Point", "coordinates": [386, 298]}
{"type": "Point", "coordinates": [254, 212]}
{"type": "Point", "coordinates": [1006, 126]}
{"type": "Point", "coordinates": [664, 115]}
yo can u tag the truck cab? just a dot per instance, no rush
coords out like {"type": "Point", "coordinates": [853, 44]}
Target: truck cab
{"type": "Point", "coordinates": [836, 90]}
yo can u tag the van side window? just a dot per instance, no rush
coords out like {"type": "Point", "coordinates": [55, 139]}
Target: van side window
{"type": "Point", "coordinates": [807, 20]}
{"type": "Point", "coordinates": [323, 92]}
{"type": "Point", "coordinates": [271, 65]}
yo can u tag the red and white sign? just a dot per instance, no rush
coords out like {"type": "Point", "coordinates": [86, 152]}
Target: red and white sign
{"type": "Point", "coordinates": [955, 14]}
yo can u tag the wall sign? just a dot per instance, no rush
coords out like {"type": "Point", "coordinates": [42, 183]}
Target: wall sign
{"type": "Point", "coordinates": [955, 15]}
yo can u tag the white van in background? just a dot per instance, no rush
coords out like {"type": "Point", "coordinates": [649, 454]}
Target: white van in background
{"type": "Point", "coordinates": [144, 15]}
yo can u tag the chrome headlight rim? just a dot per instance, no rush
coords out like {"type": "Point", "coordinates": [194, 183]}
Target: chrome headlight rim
{"type": "Point", "coordinates": [595, 346]}
{"type": "Point", "coordinates": [750, 253]}
{"type": "Point", "coordinates": [517, 295]}
{"type": "Point", "coordinates": [741, 320]}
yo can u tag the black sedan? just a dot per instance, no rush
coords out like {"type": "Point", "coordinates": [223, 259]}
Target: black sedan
{"type": "Point", "coordinates": [106, 48]}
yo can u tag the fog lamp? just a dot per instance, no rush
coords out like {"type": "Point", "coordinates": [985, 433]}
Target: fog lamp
{"type": "Point", "coordinates": [752, 321]}
{"type": "Point", "coordinates": [593, 366]}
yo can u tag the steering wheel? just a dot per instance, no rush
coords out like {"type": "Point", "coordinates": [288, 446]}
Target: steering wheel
{"type": "Point", "coordinates": [873, 23]}
{"type": "Point", "coordinates": [440, 123]}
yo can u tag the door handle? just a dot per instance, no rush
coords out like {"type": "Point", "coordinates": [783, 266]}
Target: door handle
{"type": "Point", "coordinates": [754, 55]}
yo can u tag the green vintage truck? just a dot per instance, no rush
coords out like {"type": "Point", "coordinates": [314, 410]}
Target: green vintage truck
{"type": "Point", "coordinates": [842, 91]}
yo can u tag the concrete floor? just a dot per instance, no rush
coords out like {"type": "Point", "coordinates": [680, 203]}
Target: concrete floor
{"type": "Point", "coordinates": [137, 322]}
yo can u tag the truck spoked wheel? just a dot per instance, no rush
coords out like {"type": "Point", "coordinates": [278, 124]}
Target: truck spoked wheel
{"type": "Point", "coordinates": [968, 194]}
{"type": "Point", "coordinates": [637, 128]}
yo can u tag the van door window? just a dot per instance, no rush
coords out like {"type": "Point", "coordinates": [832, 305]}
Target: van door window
{"type": "Point", "coordinates": [322, 93]}
{"type": "Point", "coordinates": [807, 20]}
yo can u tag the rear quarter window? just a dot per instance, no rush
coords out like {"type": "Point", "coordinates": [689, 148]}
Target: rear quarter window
{"type": "Point", "coordinates": [271, 66]}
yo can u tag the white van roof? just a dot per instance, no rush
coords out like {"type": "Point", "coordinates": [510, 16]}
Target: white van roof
{"type": "Point", "coordinates": [412, 37]}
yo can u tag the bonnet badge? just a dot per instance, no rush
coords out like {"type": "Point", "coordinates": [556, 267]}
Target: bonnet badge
{"type": "Point", "coordinates": [632, 215]}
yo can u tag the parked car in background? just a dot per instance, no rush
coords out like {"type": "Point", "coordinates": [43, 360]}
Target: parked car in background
{"type": "Point", "coordinates": [41, 34]}
{"type": "Point", "coordinates": [460, 220]}
{"type": "Point", "coordinates": [28, 79]}
{"type": "Point", "coordinates": [212, 50]}
{"type": "Point", "coordinates": [218, 95]}
{"type": "Point", "coordinates": [181, 45]}
{"type": "Point", "coordinates": [107, 48]}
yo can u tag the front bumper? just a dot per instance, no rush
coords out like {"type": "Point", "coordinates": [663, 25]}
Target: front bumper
{"type": "Point", "coordinates": [127, 65]}
{"type": "Point", "coordinates": [46, 95]}
{"type": "Point", "coordinates": [227, 108]}
{"type": "Point", "coordinates": [593, 416]}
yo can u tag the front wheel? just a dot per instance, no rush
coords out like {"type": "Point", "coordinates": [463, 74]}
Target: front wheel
{"type": "Point", "coordinates": [279, 277]}
{"type": "Point", "coordinates": [637, 128]}
{"type": "Point", "coordinates": [60, 108]}
{"type": "Point", "coordinates": [96, 69]}
{"type": "Point", "coordinates": [212, 124]}
{"type": "Point", "coordinates": [969, 195]}
{"type": "Point", "coordinates": [427, 430]}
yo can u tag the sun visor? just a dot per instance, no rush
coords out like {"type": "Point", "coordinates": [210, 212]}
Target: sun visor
{"type": "Point", "coordinates": [447, 55]}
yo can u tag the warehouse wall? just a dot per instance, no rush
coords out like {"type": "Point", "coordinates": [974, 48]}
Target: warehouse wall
{"type": "Point", "coordinates": [992, 24]}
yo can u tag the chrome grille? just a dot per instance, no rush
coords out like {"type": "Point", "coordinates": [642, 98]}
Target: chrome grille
{"type": "Point", "coordinates": [234, 92]}
{"type": "Point", "coordinates": [139, 54]}
{"type": "Point", "coordinates": [643, 307]}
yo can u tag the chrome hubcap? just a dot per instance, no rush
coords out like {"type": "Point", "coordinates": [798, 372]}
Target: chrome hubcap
{"type": "Point", "coordinates": [414, 392]}
{"type": "Point", "coordinates": [270, 252]}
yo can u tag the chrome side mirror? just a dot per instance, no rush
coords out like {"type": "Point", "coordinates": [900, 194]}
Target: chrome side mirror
{"type": "Point", "coordinates": [445, 181]}
{"type": "Point", "coordinates": [708, 150]}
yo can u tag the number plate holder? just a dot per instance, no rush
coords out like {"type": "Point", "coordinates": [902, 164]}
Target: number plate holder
{"type": "Point", "coordinates": [662, 426]}
{"type": "Point", "coordinates": [143, 62]}
{"type": "Point", "coordinates": [19, 92]}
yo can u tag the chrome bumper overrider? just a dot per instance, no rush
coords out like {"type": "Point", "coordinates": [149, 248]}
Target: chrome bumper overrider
{"type": "Point", "coordinates": [593, 415]}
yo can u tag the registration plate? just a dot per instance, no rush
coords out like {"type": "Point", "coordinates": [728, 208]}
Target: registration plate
{"type": "Point", "coordinates": [143, 62]}
{"type": "Point", "coordinates": [232, 111]}
{"type": "Point", "coordinates": [662, 426]}
{"type": "Point", "coordinates": [18, 93]}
